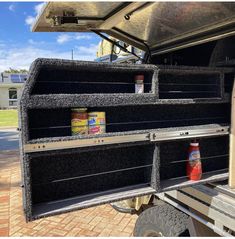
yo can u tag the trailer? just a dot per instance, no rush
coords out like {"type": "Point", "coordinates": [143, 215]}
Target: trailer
{"type": "Point", "coordinates": [184, 41]}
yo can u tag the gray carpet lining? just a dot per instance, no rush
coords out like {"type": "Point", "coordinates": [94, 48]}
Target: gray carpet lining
{"type": "Point", "coordinates": [175, 98]}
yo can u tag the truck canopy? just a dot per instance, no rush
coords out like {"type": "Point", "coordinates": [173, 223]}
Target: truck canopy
{"type": "Point", "coordinates": [158, 26]}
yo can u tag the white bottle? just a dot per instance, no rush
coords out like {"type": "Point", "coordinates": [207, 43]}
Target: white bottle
{"type": "Point", "coordinates": [139, 84]}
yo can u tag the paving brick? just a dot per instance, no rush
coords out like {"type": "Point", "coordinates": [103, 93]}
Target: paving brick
{"type": "Point", "coordinates": [107, 209]}
{"type": "Point", "coordinates": [128, 229]}
{"type": "Point", "coordinates": [97, 229]}
{"type": "Point", "coordinates": [14, 229]}
{"type": "Point", "coordinates": [101, 225]}
{"type": "Point", "coordinates": [74, 232]}
{"type": "Point", "coordinates": [105, 233]}
{"type": "Point", "coordinates": [105, 220]}
{"type": "Point", "coordinates": [58, 232]}
{"type": "Point", "coordinates": [124, 234]}
{"type": "Point", "coordinates": [4, 221]}
{"type": "Point", "coordinates": [15, 216]}
{"type": "Point", "coordinates": [15, 222]}
{"type": "Point", "coordinates": [119, 227]}
{"type": "Point", "coordinates": [124, 221]}
{"type": "Point", "coordinates": [24, 231]}
{"type": "Point", "coordinates": [70, 226]}
{"type": "Point", "coordinates": [4, 232]}
{"type": "Point", "coordinates": [110, 226]}
{"type": "Point", "coordinates": [88, 233]}
{"type": "Point", "coordinates": [119, 217]}
{"type": "Point", "coordinates": [115, 233]}
{"type": "Point", "coordinates": [131, 224]}
{"type": "Point", "coordinates": [116, 222]}
{"type": "Point", "coordinates": [85, 226]}
{"type": "Point", "coordinates": [82, 219]}
{"type": "Point", "coordinates": [17, 234]}
{"type": "Point", "coordinates": [67, 219]}
{"type": "Point", "coordinates": [61, 226]}
{"type": "Point", "coordinates": [95, 221]}
{"type": "Point", "coordinates": [102, 220]}
{"type": "Point", "coordinates": [5, 225]}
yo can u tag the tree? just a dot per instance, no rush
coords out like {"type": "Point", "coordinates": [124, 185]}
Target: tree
{"type": "Point", "coordinates": [11, 70]}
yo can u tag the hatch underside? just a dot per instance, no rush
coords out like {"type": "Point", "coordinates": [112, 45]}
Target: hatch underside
{"type": "Point", "coordinates": [162, 26]}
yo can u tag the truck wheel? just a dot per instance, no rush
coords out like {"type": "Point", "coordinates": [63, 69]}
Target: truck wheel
{"type": "Point", "coordinates": [161, 220]}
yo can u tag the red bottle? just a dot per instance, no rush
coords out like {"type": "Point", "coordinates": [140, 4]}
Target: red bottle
{"type": "Point", "coordinates": [194, 166]}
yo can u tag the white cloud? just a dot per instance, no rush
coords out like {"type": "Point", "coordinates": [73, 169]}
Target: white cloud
{"type": "Point", "coordinates": [87, 50]}
{"type": "Point", "coordinates": [38, 8]}
{"type": "Point", "coordinates": [32, 42]}
{"type": "Point", "coordinates": [21, 58]}
{"type": "Point", "coordinates": [62, 38]}
{"type": "Point", "coordinates": [80, 36]}
{"type": "Point", "coordinates": [12, 7]}
{"type": "Point", "coordinates": [29, 20]}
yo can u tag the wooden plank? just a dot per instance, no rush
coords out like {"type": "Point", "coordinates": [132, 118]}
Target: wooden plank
{"type": "Point", "coordinates": [231, 181]}
{"type": "Point", "coordinates": [203, 208]}
{"type": "Point", "coordinates": [213, 198]}
{"type": "Point", "coordinates": [224, 188]}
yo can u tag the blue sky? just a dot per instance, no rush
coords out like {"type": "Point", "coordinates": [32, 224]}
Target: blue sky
{"type": "Point", "coordinates": [19, 46]}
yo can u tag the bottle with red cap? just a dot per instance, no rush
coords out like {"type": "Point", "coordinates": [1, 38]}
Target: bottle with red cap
{"type": "Point", "coordinates": [139, 84]}
{"type": "Point", "coordinates": [194, 166]}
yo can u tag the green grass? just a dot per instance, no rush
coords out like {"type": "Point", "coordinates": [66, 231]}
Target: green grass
{"type": "Point", "coordinates": [8, 118]}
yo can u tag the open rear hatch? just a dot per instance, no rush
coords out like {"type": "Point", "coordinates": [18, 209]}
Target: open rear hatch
{"type": "Point", "coordinates": [158, 26]}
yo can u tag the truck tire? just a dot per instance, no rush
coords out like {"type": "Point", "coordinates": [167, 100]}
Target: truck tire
{"type": "Point", "coordinates": [162, 220]}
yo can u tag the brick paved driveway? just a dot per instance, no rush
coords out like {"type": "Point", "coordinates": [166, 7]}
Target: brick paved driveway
{"type": "Point", "coordinates": [97, 221]}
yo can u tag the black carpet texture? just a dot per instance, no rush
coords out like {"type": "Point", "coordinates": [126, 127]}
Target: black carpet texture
{"type": "Point", "coordinates": [174, 97]}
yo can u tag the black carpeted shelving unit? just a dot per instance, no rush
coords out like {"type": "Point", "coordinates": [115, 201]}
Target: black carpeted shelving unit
{"type": "Point", "coordinates": [145, 147]}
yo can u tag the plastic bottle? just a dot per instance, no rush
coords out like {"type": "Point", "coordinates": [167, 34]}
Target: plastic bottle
{"type": "Point", "coordinates": [194, 166]}
{"type": "Point", "coordinates": [139, 84]}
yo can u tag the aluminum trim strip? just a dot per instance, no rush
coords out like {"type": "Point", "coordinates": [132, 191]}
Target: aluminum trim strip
{"type": "Point", "coordinates": [152, 137]}
{"type": "Point", "coordinates": [79, 143]}
{"type": "Point", "coordinates": [185, 134]}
